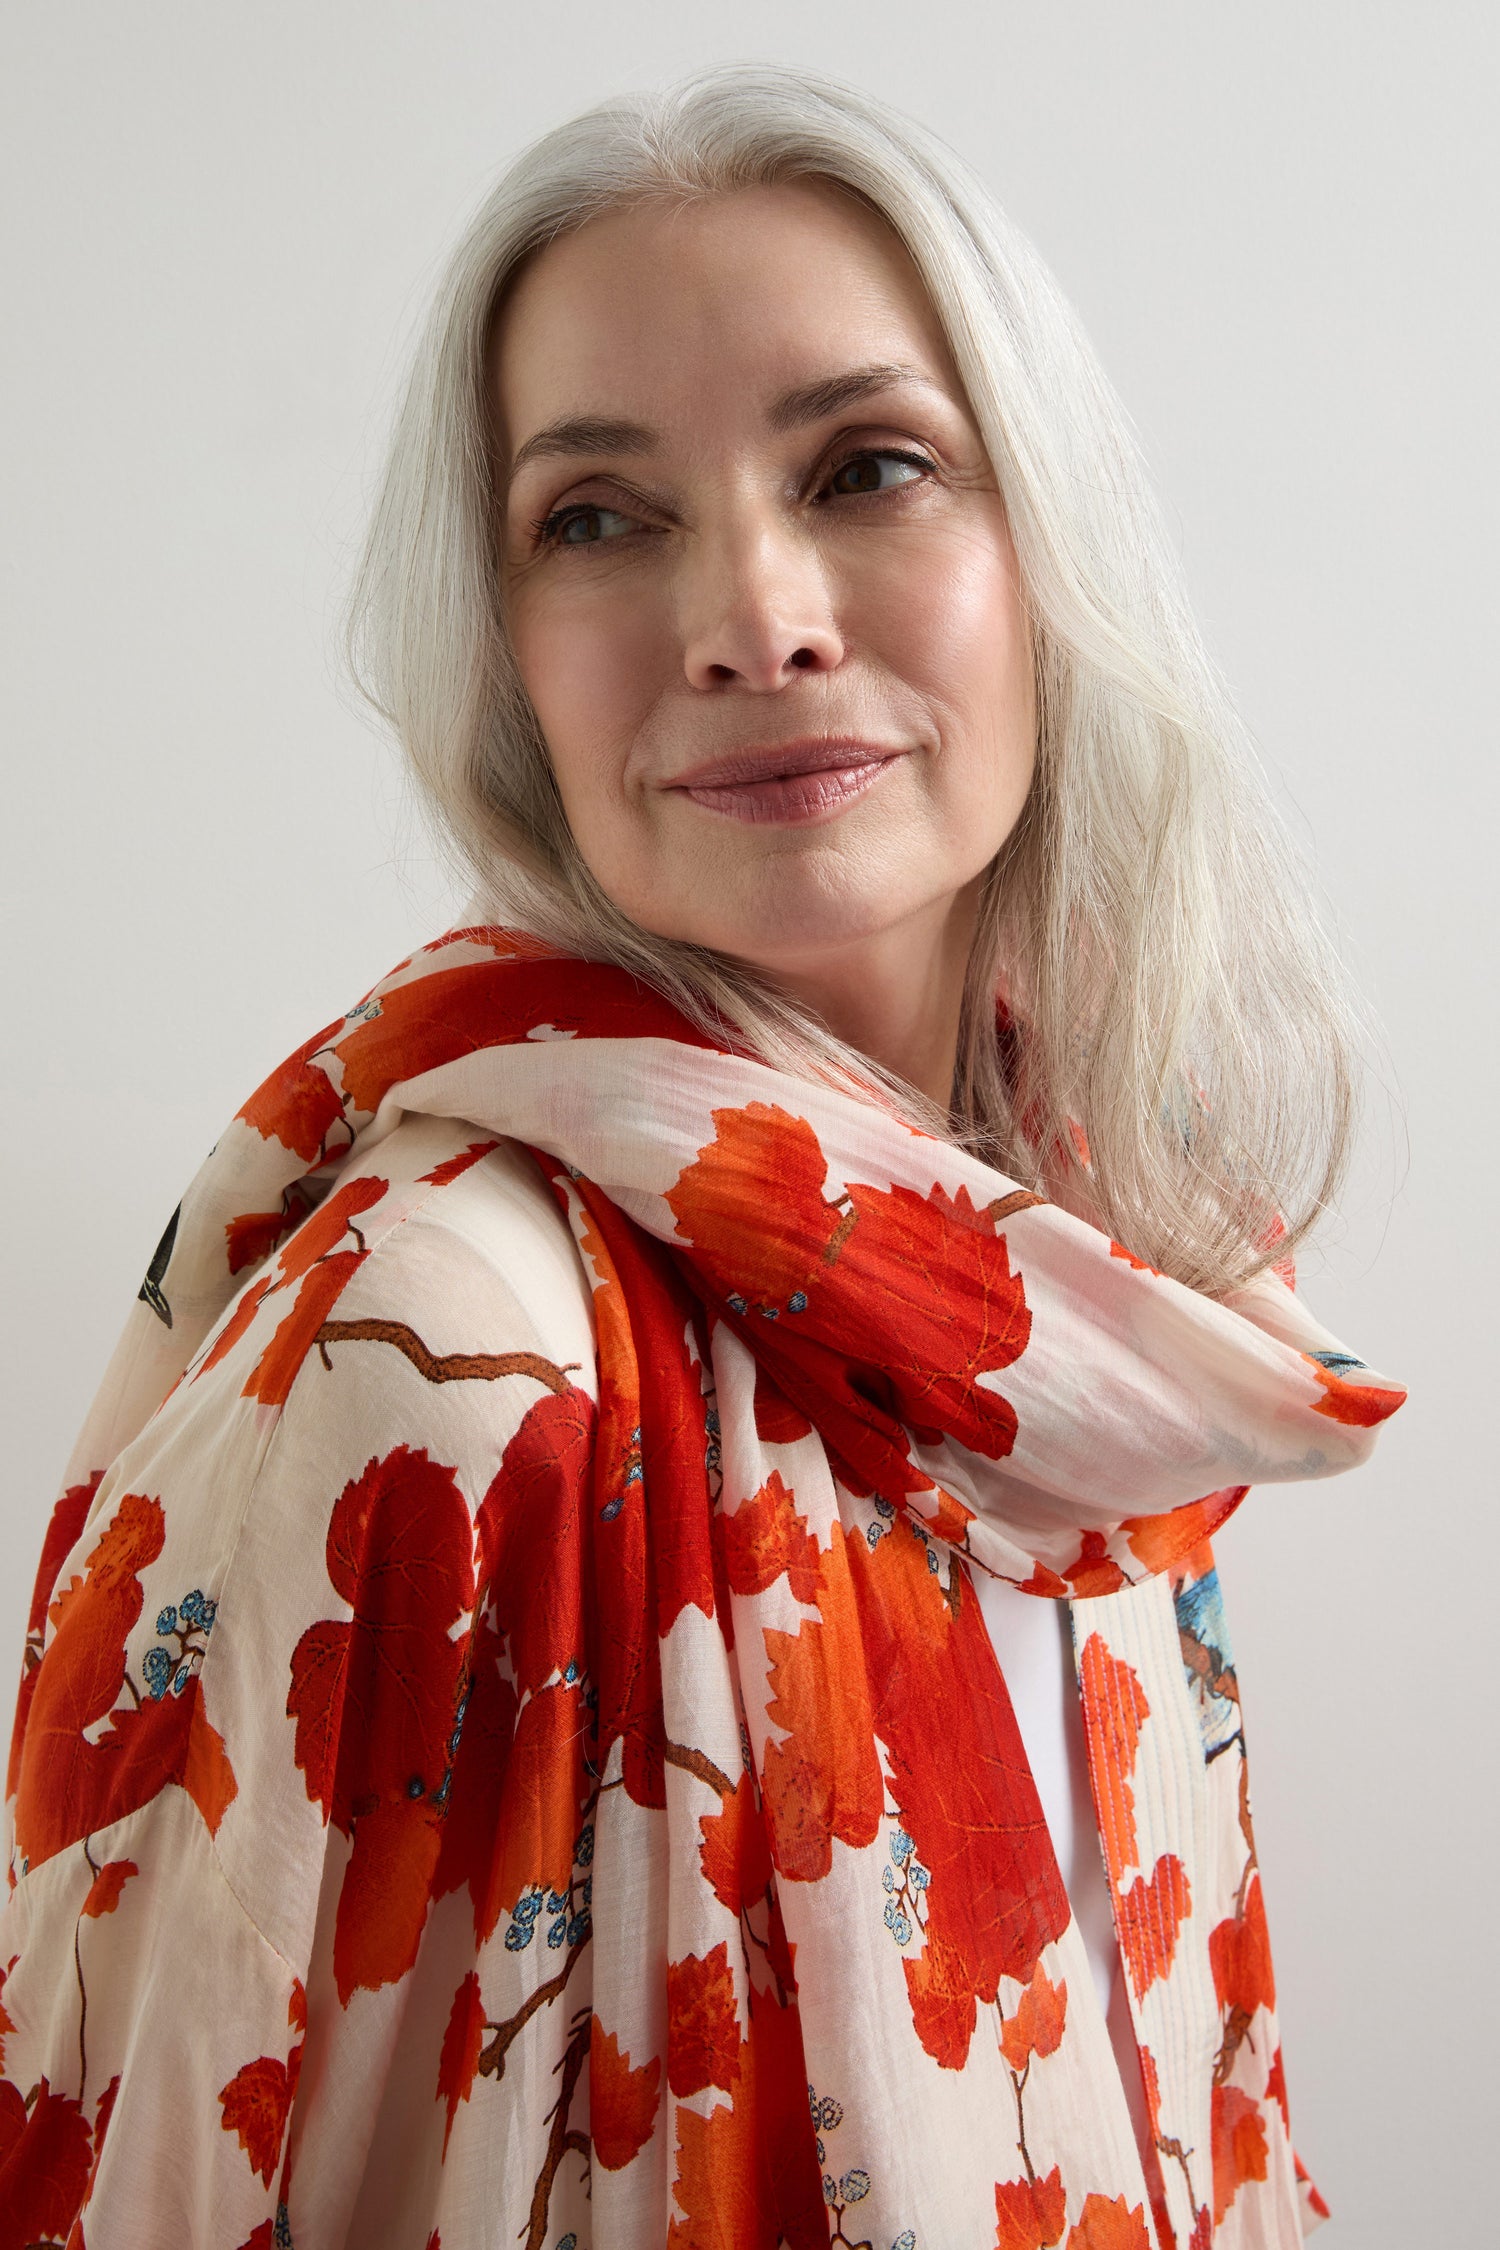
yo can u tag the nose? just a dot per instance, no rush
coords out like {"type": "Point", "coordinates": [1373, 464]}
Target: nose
{"type": "Point", "coordinates": [755, 610]}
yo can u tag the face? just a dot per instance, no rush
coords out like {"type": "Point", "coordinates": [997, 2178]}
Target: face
{"type": "Point", "coordinates": [758, 578]}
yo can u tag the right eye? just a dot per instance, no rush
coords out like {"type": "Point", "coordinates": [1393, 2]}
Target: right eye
{"type": "Point", "coordinates": [583, 526]}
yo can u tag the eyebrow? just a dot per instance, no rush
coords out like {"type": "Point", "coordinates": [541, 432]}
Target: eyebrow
{"type": "Point", "coordinates": [574, 434]}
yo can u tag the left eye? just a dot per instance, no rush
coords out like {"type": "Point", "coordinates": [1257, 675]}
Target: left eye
{"type": "Point", "coordinates": [583, 527]}
{"type": "Point", "coordinates": [866, 472]}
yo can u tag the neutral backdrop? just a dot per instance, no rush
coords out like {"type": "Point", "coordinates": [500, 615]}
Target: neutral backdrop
{"type": "Point", "coordinates": [1279, 224]}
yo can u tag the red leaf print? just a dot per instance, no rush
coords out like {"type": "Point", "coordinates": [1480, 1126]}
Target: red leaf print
{"type": "Point", "coordinates": [1030, 2214]}
{"type": "Point", "coordinates": [1239, 2144]}
{"type": "Point", "coordinates": [472, 1822]}
{"type": "Point", "coordinates": [622, 2102]}
{"type": "Point", "coordinates": [1276, 2088]}
{"type": "Point", "coordinates": [530, 1527]}
{"type": "Point", "coordinates": [279, 1365]}
{"type": "Point", "coordinates": [1036, 2028]}
{"type": "Point", "coordinates": [777, 1421]}
{"type": "Point", "coordinates": [44, 2165]}
{"type": "Point", "coordinates": [747, 2175]}
{"type": "Point", "coordinates": [1239, 1953]}
{"type": "Point", "coordinates": [1360, 1405]}
{"type": "Point", "coordinates": [250, 1239]}
{"type": "Point", "coordinates": [494, 1003]}
{"type": "Point", "coordinates": [255, 2105]}
{"type": "Point", "coordinates": [64, 1528]}
{"type": "Point", "coordinates": [959, 1775]}
{"type": "Point", "coordinates": [703, 2028]}
{"type": "Point", "coordinates": [462, 2043]}
{"type": "Point", "coordinates": [262, 2237]}
{"type": "Point", "coordinates": [734, 1854]}
{"type": "Point", "coordinates": [325, 1227]}
{"type": "Point", "coordinates": [911, 1297]}
{"type": "Point", "coordinates": [1168, 1542]}
{"type": "Point", "coordinates": [384, 1897]}
{"type": "Point", "coordinates": [69, 1785]}
{"type": "Point", "coordinates": [297, 1103]}
{"type": "Point", "coordinates": [824, 1781]}
{"type": "Point", "coordinates": [1151, 1913]}
{"type": "Point", "coordinates": [374, 1697]}
{"type": "Point", "coordinates": [454, 1167]}
{"type": "Point", "coordinates": [236, 1325]}
{"type": "Point", "coordinates": [1114, 1711]}
{"type": "Point", "coordinates": [104, 1891]}
{"type": "Point", "coordinates": [1095, 1571]}
{"type": "Point", "coordinates": [545, 1790]}
{"type": "Point", "coordinates": [1105, 2224]}
{"type": "Point", "coordinates": [765, 1537]}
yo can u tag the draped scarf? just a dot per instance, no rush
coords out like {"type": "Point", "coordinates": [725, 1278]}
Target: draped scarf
{"type": "Point", "coordinates": [763, 1938]}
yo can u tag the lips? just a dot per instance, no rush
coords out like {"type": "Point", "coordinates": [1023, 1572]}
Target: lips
{"type": "Point", "coordinates": [774, 761]}
{"type": "Point", "coordinates": [789, 784]}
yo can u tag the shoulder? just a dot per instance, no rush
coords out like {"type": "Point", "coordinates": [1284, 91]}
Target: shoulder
{"type": "Point", "coordinates": [327, 1453]}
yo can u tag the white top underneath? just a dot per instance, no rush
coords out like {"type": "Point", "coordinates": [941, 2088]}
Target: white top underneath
{"type": "Point", "coordinates": [1033, 1639]}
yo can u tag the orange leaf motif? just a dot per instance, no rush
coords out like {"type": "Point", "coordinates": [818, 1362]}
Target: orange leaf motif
{"type": "Point", "coordinates": [1105, 2224]}
{"type": "Point", "coordinates": [1030, 2214]}
{"type": "Point", "coordinates": [1036, 2028]}
{"type": "Point", "coordinates": [1151, 1913]}
{"type": "Point", "coordinates": [1114, 1711]}
{"type": "Point", "coordinates": [747, 2175]}
{"type": "Point", "coordinates": [734, 1854]}
{"type": "Point", "coordinates": [824, 1780]}
{"type": "Point", "coordinates": [104, 1891]}
{"type": "Point", "coordinates": [1239, 1953]}
{"type": "Point", "coordinates": [71, 1781]}
{"type": "Point", "coordinates": [766, 1536]}
{"type": "Point", "coordinates": [297, 1103]}
{"type": "Point", "coordinates": [1239, 2145]}
{"type": "Point", "coordinates": [255, 2105]}
{"type": "Point", "coordinates": [44, 2160]}
{"type": "Point", "coordinates": [462, 2042]}
{"type": "Point", "coordinates": [703, 2030]}
{"type": "Point", "coordinates": [622, 2102]}
{"type": "Point", "coordinates": [994, 1899]}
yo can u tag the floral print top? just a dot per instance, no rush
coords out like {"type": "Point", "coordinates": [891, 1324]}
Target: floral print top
{"type": "Point", "coordinates": [507, 1747]}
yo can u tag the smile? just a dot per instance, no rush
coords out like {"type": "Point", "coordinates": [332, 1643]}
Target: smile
{"type": "Point", "coordinates": [810, 785]}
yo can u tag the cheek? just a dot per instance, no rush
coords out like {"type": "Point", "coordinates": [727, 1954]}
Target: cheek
{"type": "Point", "coordinates": [950, 623]}
{"type": "Point", "coordinates": [591, 668]}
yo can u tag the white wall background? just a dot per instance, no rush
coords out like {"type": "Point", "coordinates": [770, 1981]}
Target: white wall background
{"type": "Point", "coordinates": [1279, 224]}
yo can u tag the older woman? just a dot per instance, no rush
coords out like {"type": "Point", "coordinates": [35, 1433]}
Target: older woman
{"type": "Point", "coordinates": [550, 1711]}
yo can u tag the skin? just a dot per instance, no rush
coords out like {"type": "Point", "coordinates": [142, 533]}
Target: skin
{"type": "Point", "coordinates": [734, 582]}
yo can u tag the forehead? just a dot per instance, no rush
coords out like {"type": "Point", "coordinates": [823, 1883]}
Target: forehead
{"type": "Point", "coordinates": [666, 308]}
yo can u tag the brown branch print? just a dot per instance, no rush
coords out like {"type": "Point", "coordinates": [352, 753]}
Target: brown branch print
{"type": "Point", "coordinates": [690, 1760]}
{"type": "Point", "coordinates": [560, 2141]}
{"type": "Point", "coordinates": [441, 1367]}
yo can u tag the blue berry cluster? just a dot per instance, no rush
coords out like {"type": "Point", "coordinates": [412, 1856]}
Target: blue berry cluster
{"type": "Point", "coordinates": [904, 1879]}
{"type": "Point", "coordinates": [851, 2186]}
{"type": "Point", "coordinates": [885, 1516]}
{"type": "Point", "coordinates": [633, 1475]}
{"type": "Point", "coordinates": [566, 1916]}
{"type": "Point", "coordinates": [163, 1668]}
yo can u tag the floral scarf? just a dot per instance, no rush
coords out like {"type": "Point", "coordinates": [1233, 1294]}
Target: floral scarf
{"type": "Point", "coordinates": [616, 1831]}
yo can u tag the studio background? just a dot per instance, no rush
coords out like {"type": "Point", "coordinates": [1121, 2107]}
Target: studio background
{"type": "Point", "coordinates": [1279, 226]}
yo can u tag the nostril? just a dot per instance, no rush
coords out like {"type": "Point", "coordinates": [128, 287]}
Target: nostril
{"type": "Point", "coordinates": [802, 658]}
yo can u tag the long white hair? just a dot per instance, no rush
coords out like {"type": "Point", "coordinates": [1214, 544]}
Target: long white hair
{"type": "Point", "coordinates": [1177, 1048]}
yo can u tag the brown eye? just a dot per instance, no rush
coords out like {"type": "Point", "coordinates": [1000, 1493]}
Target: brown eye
{"type": "Point", "coordinates": [866, 472]}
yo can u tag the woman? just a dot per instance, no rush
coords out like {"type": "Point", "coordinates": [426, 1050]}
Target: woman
{"type": "Point", "coordinates": [550, 1711]}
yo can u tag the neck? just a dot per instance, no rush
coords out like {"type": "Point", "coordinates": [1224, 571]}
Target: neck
{"type": "Point", "coordinates": [898, 996]}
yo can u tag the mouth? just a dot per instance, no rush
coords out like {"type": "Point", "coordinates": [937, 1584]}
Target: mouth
{"type": "Point", "coordinates": [788, 781]}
